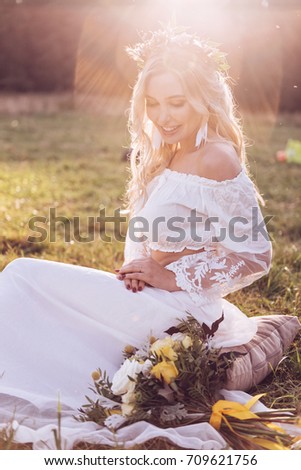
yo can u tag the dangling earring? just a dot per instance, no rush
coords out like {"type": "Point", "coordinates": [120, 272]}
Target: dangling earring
{"type": "Point", "coordinates": [157, 140]}
{"type": "Point", "coordinates": [201, 136]}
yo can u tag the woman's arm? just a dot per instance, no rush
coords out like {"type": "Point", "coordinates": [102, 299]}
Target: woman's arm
{"type": "Point", "coordinates": [209, 275]}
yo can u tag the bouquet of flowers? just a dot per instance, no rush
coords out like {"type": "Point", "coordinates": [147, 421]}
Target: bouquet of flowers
{"type": "Point", "coordinates": [175, 381]}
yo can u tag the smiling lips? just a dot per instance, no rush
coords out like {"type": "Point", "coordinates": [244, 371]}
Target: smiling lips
{"type": "Point", "coordinates": [169, 130]}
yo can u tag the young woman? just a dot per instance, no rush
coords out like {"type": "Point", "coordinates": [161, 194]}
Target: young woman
{"type": "Point", "coordinates": [196, 233]}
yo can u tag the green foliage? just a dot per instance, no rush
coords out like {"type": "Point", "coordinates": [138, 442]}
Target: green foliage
{"type": "Point", "coordinates": [94, 410]}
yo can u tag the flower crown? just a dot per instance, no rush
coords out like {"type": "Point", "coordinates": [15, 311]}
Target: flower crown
{"type": "Point", "coordinates": [154, 43]}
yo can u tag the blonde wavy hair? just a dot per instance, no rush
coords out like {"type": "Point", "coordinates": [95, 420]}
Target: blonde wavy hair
{"type": "Point", "coordinates": [206, 87]}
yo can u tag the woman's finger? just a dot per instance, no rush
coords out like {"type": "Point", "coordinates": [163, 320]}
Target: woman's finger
{"type": "Point", "coordinates": [141, 285]}
{"type": "Point", "coordinates": [135, 285]}
{"type": "Point", "coordinates": [132, 284]}
{"type": "Point", "coordinates": [139, 277]}
{"type": "Point", "coordinates": [128, 284]}
{"type": "Point", "coordinates": [130, 268]}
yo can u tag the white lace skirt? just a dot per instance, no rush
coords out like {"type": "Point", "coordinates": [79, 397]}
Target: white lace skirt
{"type": "Point", "coordinates": [59, 322]}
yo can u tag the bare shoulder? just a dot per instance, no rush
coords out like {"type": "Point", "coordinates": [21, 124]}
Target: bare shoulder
{"type": "Point", "coordinates": [219, 162]}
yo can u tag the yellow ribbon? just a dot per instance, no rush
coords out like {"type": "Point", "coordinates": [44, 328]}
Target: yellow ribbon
{"type": "Point", "coordinates": [224, 408]}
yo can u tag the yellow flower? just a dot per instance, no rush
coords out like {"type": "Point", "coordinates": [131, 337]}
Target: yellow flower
{"type": "Point", "coordinates": [187, 342]}
{"type": "Point", "coordinates": [165, 370]}
{"type": "Point", "coordinates": [164, 347]}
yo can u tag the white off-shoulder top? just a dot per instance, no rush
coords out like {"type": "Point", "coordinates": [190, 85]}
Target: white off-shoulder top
{"type": "Point", "coordinates": [222, 217]}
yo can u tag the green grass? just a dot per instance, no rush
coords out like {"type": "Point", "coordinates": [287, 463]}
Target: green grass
{"type": "Point", "coordinates": [72, 162]}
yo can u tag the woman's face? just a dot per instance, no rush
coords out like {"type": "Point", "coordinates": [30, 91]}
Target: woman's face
{"type": "Point", "coordinates": [169, 110]}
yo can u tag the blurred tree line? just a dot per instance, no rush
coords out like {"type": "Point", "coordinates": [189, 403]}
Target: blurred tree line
{"type": "Point", "coordinates": [41, 43]}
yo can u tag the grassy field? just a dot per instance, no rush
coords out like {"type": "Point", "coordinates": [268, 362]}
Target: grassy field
{"type": "Point", "coordinates": [72, 163]}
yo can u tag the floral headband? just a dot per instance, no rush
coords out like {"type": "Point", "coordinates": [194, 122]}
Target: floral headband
{"type": "Point", "coordinates": [154, 43]}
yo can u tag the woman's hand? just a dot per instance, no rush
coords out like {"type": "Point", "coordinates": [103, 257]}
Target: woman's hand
{"type": "Point", "coordinates": [147, 271]}
{"type": "Point", "coordinates": [131, 284]}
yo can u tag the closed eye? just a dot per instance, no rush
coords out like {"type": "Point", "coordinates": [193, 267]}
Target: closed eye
{"type": "Point", "coordinates": [178, 105]}
{"type": "Point", "coordinates": [175, 105]}
{"type": "Point", "coordinates": [151, 104]}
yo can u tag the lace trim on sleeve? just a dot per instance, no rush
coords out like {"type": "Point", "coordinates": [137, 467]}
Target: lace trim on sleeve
{"type": "Point", "coordinates": [206, 276]}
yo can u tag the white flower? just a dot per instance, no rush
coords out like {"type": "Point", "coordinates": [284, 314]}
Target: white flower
{"type": "Point", "coordinates": [121, 382]}
{"type": "Point", "coordinates": [126, 409]}
{"type": "Point", "coordinates": [187, 342]}
{"type": "Point", "coordinates": [178, 336]}
{"type": "Point", "coordinates": [128, 397]}
{"type": "Point", "coordinates": [147, 367]}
